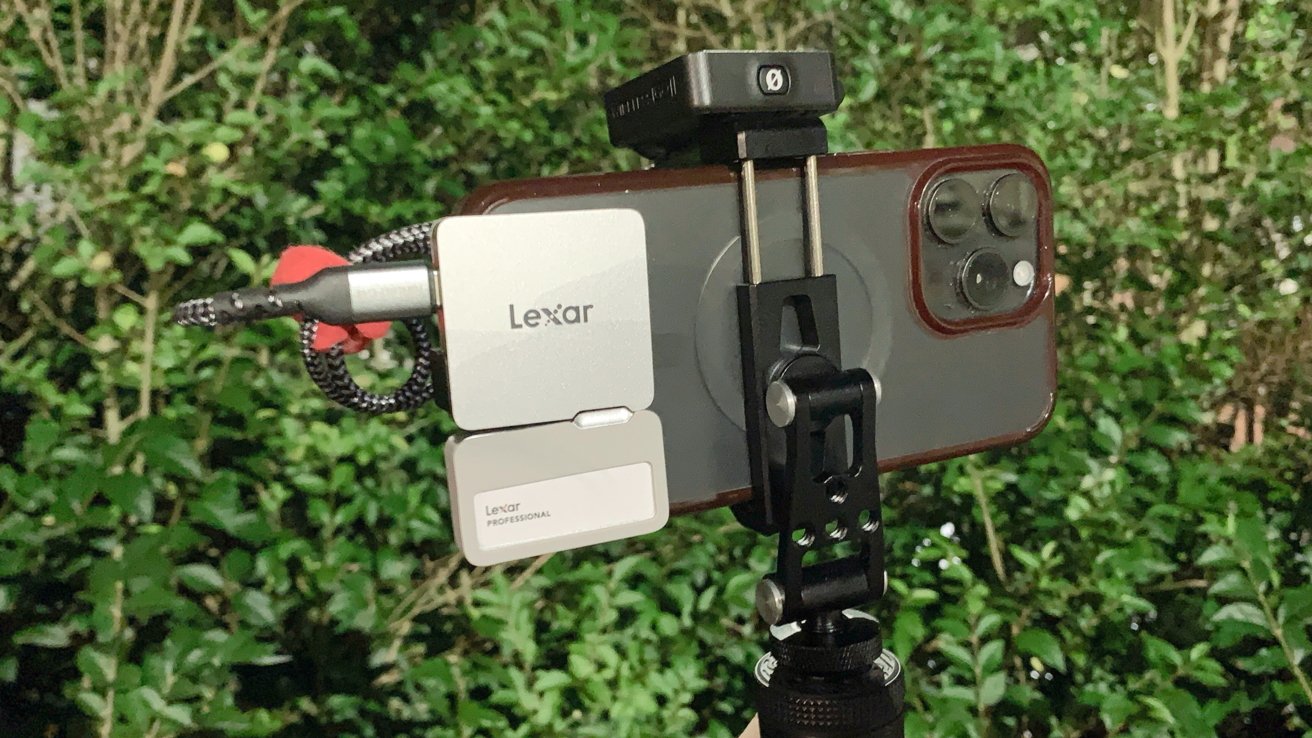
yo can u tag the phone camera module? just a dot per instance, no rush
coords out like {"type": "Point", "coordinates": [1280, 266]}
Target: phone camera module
{"type": "Point", "coordinates": [954, 209]}
{"type": "Point", "coordinates": [1013, 204]}
{"type": "Point", "coordinates": [985, 279]}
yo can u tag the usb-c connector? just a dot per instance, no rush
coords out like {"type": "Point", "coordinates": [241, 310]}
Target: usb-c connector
{"type": "Point", "coordinates": [359, 293]}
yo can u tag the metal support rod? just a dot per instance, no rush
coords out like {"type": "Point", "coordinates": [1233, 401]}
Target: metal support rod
{"type": "Point", "coordinates": [751, 227]}
{"type": "Point", "coordinates": [815, 264]}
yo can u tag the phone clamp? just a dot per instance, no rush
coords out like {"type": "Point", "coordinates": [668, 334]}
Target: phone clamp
{"type": "Point", "coordinates": [826, 672]}
{"type": "Point", "coordinates": [810, 423]}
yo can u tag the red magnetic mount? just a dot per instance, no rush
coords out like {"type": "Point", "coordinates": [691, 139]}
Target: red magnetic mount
{"type": "Point", "coordinates": [299, 263]}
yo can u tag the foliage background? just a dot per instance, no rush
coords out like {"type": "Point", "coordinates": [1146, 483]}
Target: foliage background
{"type": "Point", "coordinates": [193, 543]}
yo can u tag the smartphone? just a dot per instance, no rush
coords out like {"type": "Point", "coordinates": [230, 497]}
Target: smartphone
{"type": "Point", "coordinates": [943, 262]}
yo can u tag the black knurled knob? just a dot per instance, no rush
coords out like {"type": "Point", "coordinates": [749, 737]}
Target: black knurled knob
{"type": "Point", "coordinates": [799, 706]}
{"type": "Point", "coordinates": [830, 680]}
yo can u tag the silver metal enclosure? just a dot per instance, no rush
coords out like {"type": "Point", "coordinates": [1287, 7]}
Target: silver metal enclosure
{"type": "Point", "coordinates": [544, 315]}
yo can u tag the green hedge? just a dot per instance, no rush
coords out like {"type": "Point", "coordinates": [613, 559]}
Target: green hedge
{"type": "Point", "coordinates": [194, 543]}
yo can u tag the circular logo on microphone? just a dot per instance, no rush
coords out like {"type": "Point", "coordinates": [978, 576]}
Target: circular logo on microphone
{"type": "Point", "coordinates": [772, 79]}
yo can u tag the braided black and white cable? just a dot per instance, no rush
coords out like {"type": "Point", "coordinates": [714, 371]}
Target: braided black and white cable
{"type": "Point", "coordinates": [328, 368]}
{"type": "Point", "coordinates": [197, 312]}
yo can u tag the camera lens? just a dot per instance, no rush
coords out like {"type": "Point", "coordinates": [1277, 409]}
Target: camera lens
{"type": "Point", "coordinates": [954, 209]}
{"type": "Point", "coordinates": [1013, 204]}
{"type": "Point", "coordinates": [984, 279]}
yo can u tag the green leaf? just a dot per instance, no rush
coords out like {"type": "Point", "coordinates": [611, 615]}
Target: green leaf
{"type": "Point", "coordinates": [131, 494]}
{"type": "Point", "coordinates": [1042, 644]}
{"type": "Point", "coordinates": [581, 667]}
{"type": "Point", "coordinates": [1251, 535]}
{"type": "Point", "coordinates": [957, 653]}
{"type": "Point", "coordinates": [1109, 428]}
{"type": "Point", "coordinates": [197, 233]}
{"type": "Point", "coordinates": [172, 454]}
{"type": "Point", "coordinates": [1161, 653]}
{"type": "Point", "coordinates": [51, 635]}
{"type": "Point", "coordinates": [1242, 612]}
{"type": "Point", "coordinates": [994, 686]}
{"type": "Point", "coordinates": [178, 713]}
{"type": "Point", "coordinates": [920, 597]}
{"type": "Point", "coordinates": [1232, 584]}
{"type": "Point", "coordinates": [91, 703]}
{"type": "Point", "coordinates": [908, 632]}
{"type": "Point", "coordinates": [200, 577]}
{"type": "Point", "coordinates": [42, 435]}
{"type": "Point", "coordinates": [1187, 713]}
{"type": "Point", "coordinates": [311, 66]}
{"type": "Point", "coordinates": [226, 134]}
{"type": "Point", "coordinates": [177, 254]}
{"type": "Point", "coordinates": [242, 260]}
{"type": "Point", "coordinates": [551, 679]}
{"type": "Point", "coordinates": [256, 607]}
{"type": "Point", "coordinates": [1167, 436]}
{"type": "Point", "coordinates": [1216, 554]}
{"type": "Point", "coordinates": [98, 665]}
{"type": "Point", "coordinates": [959, 694]}
{"type": "Point", "coordinates": [1296, 604]}
{"type": "Point", "coordinates": [242, 119]}
{"type": "Point", "coordinates": [1115, 709]}
{"type": "Point", "coordinates": [1027, 559]}
{"type": "Point", "coordinates": [125, 317]}
{"type": "Point", "coordinates": [152, 697]}
{"type": "Point", "coordinates": [990, 655]}
{"type": "Point", "coordinates": [66, 267]}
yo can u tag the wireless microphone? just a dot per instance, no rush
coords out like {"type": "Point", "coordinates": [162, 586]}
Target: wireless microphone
{"type": "Point", "coordinates": [693, 108]}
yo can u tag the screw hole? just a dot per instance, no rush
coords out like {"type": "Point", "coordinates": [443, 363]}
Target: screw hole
{"type": "Point", "coordinates": [867, 521]}
{"type": "Point", "coordinates": [802, 537]}
{"type": "Point", "coordinates": [837, 488]}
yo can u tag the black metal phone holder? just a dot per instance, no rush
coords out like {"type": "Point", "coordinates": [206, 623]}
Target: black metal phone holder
{"type": "Point", "coordinates": [810, 423]}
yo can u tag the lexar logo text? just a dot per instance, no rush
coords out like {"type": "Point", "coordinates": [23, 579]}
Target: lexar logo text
{"type": "Point", "coordinates": [540, 317]}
